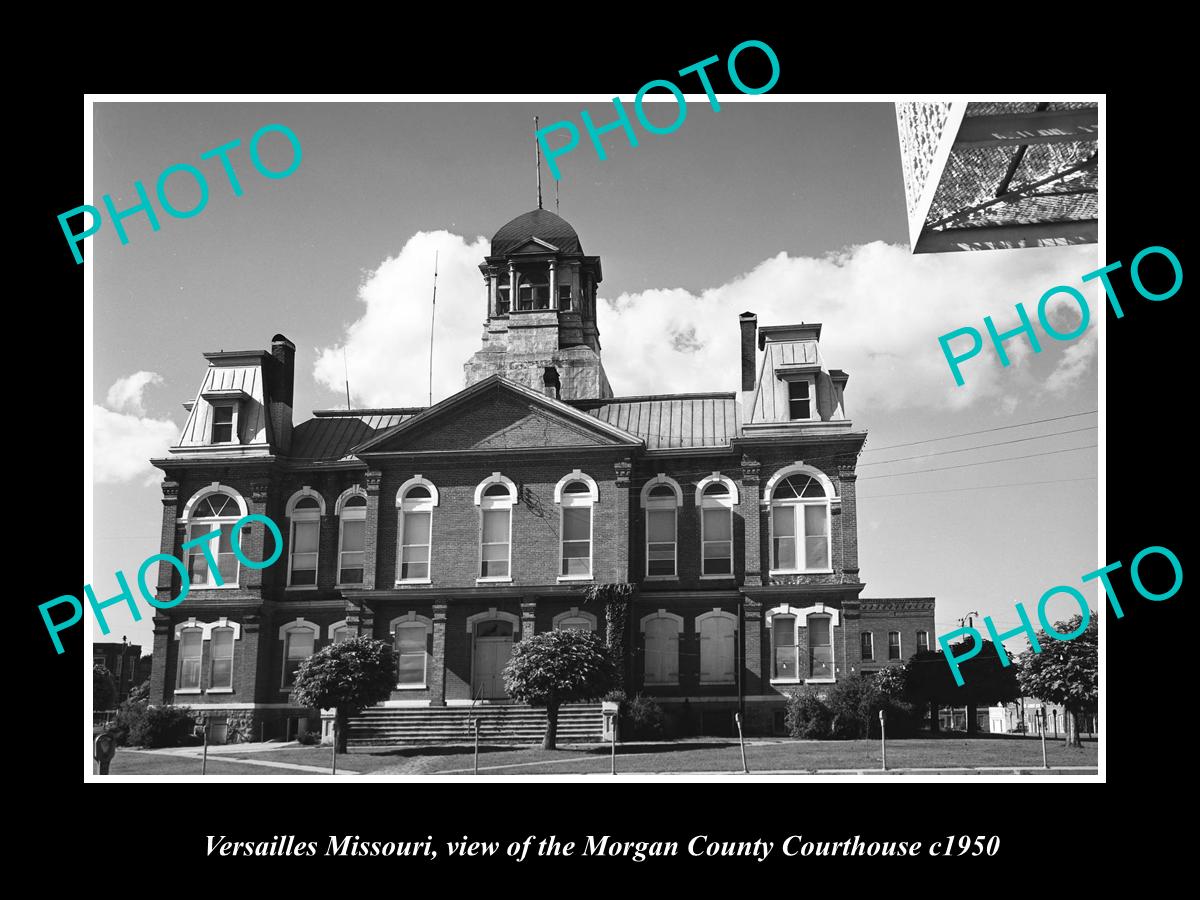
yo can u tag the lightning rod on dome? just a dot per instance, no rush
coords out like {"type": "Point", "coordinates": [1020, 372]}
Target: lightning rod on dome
{"type": "Point", "coordinates": [432, 315]}
{"type": "Point", "coordinates": [537, 153]}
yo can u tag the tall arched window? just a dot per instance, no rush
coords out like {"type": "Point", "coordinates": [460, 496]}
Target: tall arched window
{"type": "Point", "coordinates": [212, 509]}
{"type": "Point", "coordinates": [574, 620]}
{"type": "Point", "coordinates": [304, 511]}
{"type": "Point", "coordinates": [299, 641]}
{"type": "Point", "coordinates": [495, 497]}
{"type": "Point", "coordinates": [191, 642]}
{"type": "Point", "coordinates": [352, 536]}
{"type": "Point", "coordinates": [575, 494]}
{"type": "Point", "coordinates": [220, 676]}
{"type": "Point", "coordinates": [416, 499]}
{"type": "Point", "coordinates": [410, 635]}
{"type": "Point", "coordinates": [661, 498]}
{"type": "Point", "coordinates": [718, 646]}
{"type": "Point", "coordinates": [799, 522]}
{"type": "Point", "coordinates": [716, 495]}
{"type": "Point", "coordinates": [661, 631]}
{"type": "Point", "coordinates": [340, 631]}
{"type": "Point", "coordinates": [820, 646]}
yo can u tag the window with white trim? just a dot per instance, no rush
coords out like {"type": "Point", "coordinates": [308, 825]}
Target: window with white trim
{"type": "Point", "coordinates": [411, 640]}
{"type": "Point", "coordinates": [305, 541]}
{"type": "Point", "coordinates": [532, 295]}
{"type": "Point", "coordinates": [224, 423]}
{"type": "Point", "coordinates": [868, 645]}
{"type": "Point", "coordinates": [342, 633]}
{"type": "Point", "coordinates": [503, 295]}
{"type": "Point", "coordinates": [352, 534]}
{"type": "Point", "coordinates": [718, 647]}
{"type": "Point", "coordinates": [820, 646]}
{"type": "Point", "coordinates": [800, 399]}
{"type": "Point", "coordinates": [299, 643]}
{"type": "Point", "coordinates": [716, 530]}
{"type": "Point", "coordinates": [799, 525]}
{"type": "Point", "coordinates": [220, 676]}
{"type": "Point", "coordinates": [416, 500]}
{"type": "Point", "coordinates": [217, 510]}
{"type": "Point", "coordinates": [495, 498]}
{"type": "Point", "coordinates": [785, 649]}
{"type": "Point", "coordinates": [661, 633]}
{"type": "Point", "coordinates": [574, 620]}
{"type": "Point", "coordinates": [576, 517]}
{"type": "Point", "coordinates": [922, 641]}
{"type": "Point", "coordinates": [661, 500]}
{"type": "Point", "coordinates": [893, 645]}
{"type": "Point", "coordinates": [191, 643]}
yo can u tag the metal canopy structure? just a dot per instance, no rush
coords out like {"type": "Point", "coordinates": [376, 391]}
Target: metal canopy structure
{"type": "Point", "coordinates": [997, 176]}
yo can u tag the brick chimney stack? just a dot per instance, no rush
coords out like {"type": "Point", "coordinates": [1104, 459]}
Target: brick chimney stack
{"type": "Point", "coordinates": [749, 325]}
{"type": "Point", "coordinates": [282, 391]}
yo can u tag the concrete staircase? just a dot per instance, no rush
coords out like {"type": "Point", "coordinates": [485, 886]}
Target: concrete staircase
{"type": "Point", "coordinates": [383, 726]}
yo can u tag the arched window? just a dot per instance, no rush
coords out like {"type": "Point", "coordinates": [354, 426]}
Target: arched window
{"type": "Point", "coordinates": [661, 498]}
{"type": "Point", "coordinates": [352, 535]}
{"type": "Point", "coordinates": [575, 494]}
{"type": "Point", "coordinates": [299, 641]}
{"type": "Point", "coordinates": [574, 620]}
{"type": "Point", "coordinates": [785, 649]}
{"type": "Point", "coordinates": [340, 631]}
{"type": "Point", "coordinates": [220, 676]}
{"type": "Point", "coordinates": [211, 509]}
{"type": "Point", "coordinates": [191, 643]}
{"type": "Point", "coordinates": [416, 499]}
{"type": "Point", "coordinates": [661, 631]}
{"type": "Point", "coordinates": [304, 511]}
{"type": "Point", "coordinates": [495, 497]}
{"type": "Point", "coordinates": [799, 497]}
{"type": "Point", "coordinates": [410, 635]}
{"type": "Point", "coordinates": [820, 646]}
{"type": "Point", "coordinates": [716, 496]}
{"type": "Point", "coordinates": [718, 646]}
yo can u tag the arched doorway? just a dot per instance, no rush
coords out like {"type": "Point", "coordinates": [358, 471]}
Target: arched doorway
{"type": "Point", "coordinates": [493, 647]}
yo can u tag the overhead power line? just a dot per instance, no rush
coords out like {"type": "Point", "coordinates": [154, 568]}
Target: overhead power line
{"type": "Point", "coordinates": [981, 431]}
{"type": "Point", "coordinates": [982, 487]}
{"type": "Point", "coordinates": [884, 462]}
{"type": "Point", "coordinates": [983, 462]}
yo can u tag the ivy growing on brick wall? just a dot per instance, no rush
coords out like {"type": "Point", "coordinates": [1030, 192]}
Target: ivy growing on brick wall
{"type": "Point", "coordinates": [616, 599]}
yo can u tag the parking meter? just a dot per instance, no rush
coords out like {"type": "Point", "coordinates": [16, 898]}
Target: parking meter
{"type": "Point", "coordinates": [105, 750]}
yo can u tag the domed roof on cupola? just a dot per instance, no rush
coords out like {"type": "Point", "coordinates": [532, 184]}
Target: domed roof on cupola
{"type": "Point", "coordinates": [540, 224]}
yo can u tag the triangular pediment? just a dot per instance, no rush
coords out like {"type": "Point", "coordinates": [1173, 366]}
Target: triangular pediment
{"type": "Point", "coordinates": [536, 245]}
{"type": "Point", "coordinates": [498, 415]}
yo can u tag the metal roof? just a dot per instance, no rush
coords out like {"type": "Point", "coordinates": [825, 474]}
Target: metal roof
{"type": "Point", "coordinates": [539, 223]}
{"type": "Point", "coordinates": [671, 421]}
{"type": "Point", "coordinates": [252, 420]}
{"type": "Point", "coordinates": [334, 434]}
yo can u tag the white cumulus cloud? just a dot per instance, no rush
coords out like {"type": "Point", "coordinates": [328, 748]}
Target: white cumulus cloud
{"type": "Point", "coordinates": [124, 438]}
{"type": "Point", "coordinates": [126, 393]}
{"type": "Point", "coordinates": [882, 309]}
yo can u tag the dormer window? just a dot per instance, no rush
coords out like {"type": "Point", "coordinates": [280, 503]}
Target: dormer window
{"type": "Point", "coordinates": [800, 399]}
{"type": "Point", "coordinates": [224, 417]}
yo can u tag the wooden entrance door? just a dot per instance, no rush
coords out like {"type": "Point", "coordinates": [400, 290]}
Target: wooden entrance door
{"type": "Point", "coordinates": [493, 647]}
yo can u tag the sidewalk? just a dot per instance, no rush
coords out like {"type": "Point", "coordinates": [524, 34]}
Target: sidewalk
{"type": "Point", "coordinates": [225, 753]}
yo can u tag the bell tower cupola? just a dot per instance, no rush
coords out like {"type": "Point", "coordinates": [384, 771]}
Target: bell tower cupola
{"type": "Point", "coordinates": [541, 310]}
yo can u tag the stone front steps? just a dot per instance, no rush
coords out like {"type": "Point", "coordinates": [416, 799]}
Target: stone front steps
{"type": "Point", "coordinates": [383, 726]}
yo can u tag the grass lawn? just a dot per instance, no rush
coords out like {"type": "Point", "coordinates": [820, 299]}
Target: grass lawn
{"type": "Point", "coordinates": [699, 755]}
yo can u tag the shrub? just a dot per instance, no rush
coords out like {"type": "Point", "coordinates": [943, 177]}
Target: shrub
{"type": "Point", "coordinates": [162, 726]}
{"type": "Point", "coordinates": [307, 738]}
{"type": "Point", "coordinates": [141, 692]}
{"type": "Point", "coordinates": [129, 713]}
{"type": "Point", "coordinates": [807, 716]}
{"type": "Point", "coordinates": [643, 718]}
{"type": "Point", "coordinates": [856, 703]}
{"type": "Point", "coordinates": [104, 690]}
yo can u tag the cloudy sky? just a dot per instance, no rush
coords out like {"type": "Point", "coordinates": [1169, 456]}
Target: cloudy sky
{"type": "Point", "coordinates": [794, 211]}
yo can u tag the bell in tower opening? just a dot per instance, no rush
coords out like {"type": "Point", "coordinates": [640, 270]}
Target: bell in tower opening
{"type": "Point", "coordinates": [541, 310]}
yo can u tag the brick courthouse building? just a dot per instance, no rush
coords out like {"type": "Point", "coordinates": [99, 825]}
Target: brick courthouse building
{"type": "Point", "coordinates": [457, 529]}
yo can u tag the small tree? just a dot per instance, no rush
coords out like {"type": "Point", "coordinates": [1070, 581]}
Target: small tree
{"type": "Point", "coordinates": [928, 679]}
{"type": "Point", "coordinates": [104, 689]}
{"type": "Point", "coordinates": [557, 667]}
{"type": "Point", "coordinates": [1065, 672]}
{"type": "Point", "coordinates": [347, 676]}
{"type": "Point", "coordinates": [892, 682]}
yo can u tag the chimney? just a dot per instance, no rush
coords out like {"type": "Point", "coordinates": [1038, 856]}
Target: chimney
{"type": "Point", "coordinates": [749, 325]}
{"type": "Point", "coordinates": [282, 390]}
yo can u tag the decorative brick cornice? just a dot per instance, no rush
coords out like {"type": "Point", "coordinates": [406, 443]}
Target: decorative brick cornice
{"type": "Point", "coordinates": [847, 473]}
{"type": "Point", "coordinates": [374, 478]}
{"type": "Point", "coordinates": [623, 469]}
{"type": "Point", "coordinates": [904, 604]}
{"type": "Point", "coordinates": [259, 491]}
{"type": "Point", "coordinates": [170, 491]}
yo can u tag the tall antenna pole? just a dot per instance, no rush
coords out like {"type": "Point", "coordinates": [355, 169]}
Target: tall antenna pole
{"type": "Point", "coordinates": [537, 152]}
{"type": "Point", "coordinates": [346, 367]}
{"type": "Point", "coordinates": [556, 196]}
{"type": "Point", "coordinates": [432, 315]}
